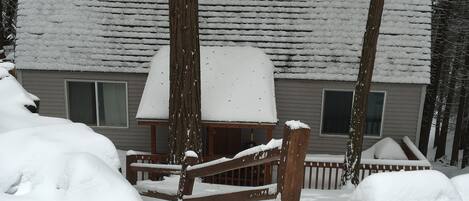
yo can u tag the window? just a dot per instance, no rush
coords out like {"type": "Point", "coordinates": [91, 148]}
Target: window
{"type": "Point", "coordinates": [337, 112]}
{"type": "Point", "coordinates": [96, 103]}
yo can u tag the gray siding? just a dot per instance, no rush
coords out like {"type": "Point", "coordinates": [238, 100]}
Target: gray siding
{"type": "Point", "coordinates": [302, 100]}
{"type": "Point", "coordinates": [50, 87]}
{"type": "Point", "coordinates": [296, 99]}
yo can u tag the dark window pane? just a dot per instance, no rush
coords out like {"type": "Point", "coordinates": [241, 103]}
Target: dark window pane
{"type": "Point", "coordinates": [82, 102]}
{"type": "Point", "coordinates": [337, 112]}
{"type": "Point", "coordinates": [374, 113]}
{"type": "Point", "coordinates": [112, 104]}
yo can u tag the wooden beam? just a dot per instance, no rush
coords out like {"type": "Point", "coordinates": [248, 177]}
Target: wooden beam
{"type": "Point", "coordinates": [211, 141]}
{"type": "Point", "coordinates": [269, 134]}
{"type": "Point", "coordinates": [214, 124]}
{"type": "Point", "coordinates": [153, 139]}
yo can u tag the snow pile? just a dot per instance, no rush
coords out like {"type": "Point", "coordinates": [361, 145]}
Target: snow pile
{"type": "Point", "coordinates": [386, 148]}
{"type": "Point", "coordinates": [54, 159]}
{"type": "Point", "coordinates": [426, 185]}
{"type": "Point", "coordinates": [237, 85]}
{"type": "Point", "coordinates": [461, 183]}
{"type": "Point", "coordinates": [7, 66]}
{"type": "Point", "coordinates": [296, 125]}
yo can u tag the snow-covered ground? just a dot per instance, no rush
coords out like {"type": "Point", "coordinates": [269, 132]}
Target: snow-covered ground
{"type": "Point", "coordinates": [442, 164]}
{"type": "Point", "coordinates": [53, 159]}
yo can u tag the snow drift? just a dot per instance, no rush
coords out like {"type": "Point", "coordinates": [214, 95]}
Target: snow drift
{"type": "Point", "coordinates": [428, 185]}
{"type": "Point", "coordinates": [461, 183]}
{"type": "Point", "coordinates": [53, 159]}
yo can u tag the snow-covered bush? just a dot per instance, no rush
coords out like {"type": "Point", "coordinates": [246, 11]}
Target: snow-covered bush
{"type": "Point", "coordinates": [428, 185]}
{"type": "Point", "coordinates": [386, 148]}
{"type": "Point", "coordinates": [53, 159]}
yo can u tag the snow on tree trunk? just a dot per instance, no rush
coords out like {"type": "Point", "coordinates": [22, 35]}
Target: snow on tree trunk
{"type": "Point", "coordinates": [184, 98]}
{"type": "Point", "coordinates": [362, 89]}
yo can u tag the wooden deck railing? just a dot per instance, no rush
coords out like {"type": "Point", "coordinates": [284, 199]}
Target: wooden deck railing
{"type": "Point", "coordinates": [320, 171]}
{"type": "Point", "coordinates": [289, 153]}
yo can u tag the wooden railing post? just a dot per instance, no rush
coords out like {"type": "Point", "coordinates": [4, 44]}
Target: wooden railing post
{"type": "Point", "coordinates": [129, 173]}
{"type": "Point", "coordinates": [291, 168]}
{"type": "Point", "coordinates": [186, 184]}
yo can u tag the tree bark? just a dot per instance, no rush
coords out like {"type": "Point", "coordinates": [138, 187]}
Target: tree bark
{"type": "Point", "coordinates": [436, 61]}
{"type": "Point", "coordinates": [184, 99]}
{"type": "Point", "coordinates": [441, 148]}
{"type": "Point", "coordinates": [362, 89]}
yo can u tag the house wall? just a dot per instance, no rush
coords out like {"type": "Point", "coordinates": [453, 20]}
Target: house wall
{"type": "Point", "coordinates": [296, 99]}
{"type": "Point", "coordinates": [302, 100]}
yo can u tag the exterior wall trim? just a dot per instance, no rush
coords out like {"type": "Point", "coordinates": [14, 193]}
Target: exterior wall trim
{"type": "Point", "coordinates": [423, 93]}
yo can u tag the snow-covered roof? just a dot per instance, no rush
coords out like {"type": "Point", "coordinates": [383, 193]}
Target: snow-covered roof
{"type": "Point", "coordinates": [237, 85]}
{"type": "Point", "coordinates": [306, 39]}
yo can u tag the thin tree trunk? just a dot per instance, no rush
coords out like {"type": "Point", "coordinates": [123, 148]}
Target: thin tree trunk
{"type": "Point", "coordinates": [441, 148]}
{"type": "Point", "coordinates": [465, 134]}
{"type": "Point", "coordinates": [459, 122]}
{"type": "Point", "coordinates": [430, 97]}
{"type": "Point", "coordinates": [184, 99]}
{"type": "Point", "coordinates": [362, 89]}
{"type": "Point", "coordinates": [2, 33]}
{"type": "Point", "coordinates": [438, 124]}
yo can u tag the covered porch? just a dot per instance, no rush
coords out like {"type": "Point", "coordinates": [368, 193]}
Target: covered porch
{"type": "Point", "coordinates": [237, 99]}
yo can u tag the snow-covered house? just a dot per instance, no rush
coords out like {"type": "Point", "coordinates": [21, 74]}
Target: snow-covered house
{"type": "Point", "coordinates": [88, 61]}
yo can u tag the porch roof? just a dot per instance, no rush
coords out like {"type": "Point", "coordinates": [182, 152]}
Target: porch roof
{"type": "Point", "coordinates": [237, 86]}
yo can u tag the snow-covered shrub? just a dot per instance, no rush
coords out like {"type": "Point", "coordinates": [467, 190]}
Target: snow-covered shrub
{"type": "Point", "coordinates": [53, 159]}
{"type": "Point", "coordinates": [386, 148]}
{"type": "Point", "coordinates": [461, 183]}
{"type": "Point", "coordinates": [428, 185]}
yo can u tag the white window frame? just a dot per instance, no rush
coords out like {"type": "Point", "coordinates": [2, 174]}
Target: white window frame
{"type": "Point", "coordinates": [321, 134]}
{"type": "Point", "coordinates": [66, 81]}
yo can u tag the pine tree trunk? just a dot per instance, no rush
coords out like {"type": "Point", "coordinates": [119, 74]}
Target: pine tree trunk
{"type": "Point", "coordinates": [459, 122]}
{"type": "Point", "coordinates": [441, 148]}
{"type": "Point", "coordinates": [184, 99]}
{"type": "Point", "coordinates": [362, 89]}
{"type": "Point", "coordinates": [436, 61]}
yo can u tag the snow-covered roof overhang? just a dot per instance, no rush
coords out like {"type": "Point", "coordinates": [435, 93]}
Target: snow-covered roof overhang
{"type": "Point", "coordinates": [237, 85]}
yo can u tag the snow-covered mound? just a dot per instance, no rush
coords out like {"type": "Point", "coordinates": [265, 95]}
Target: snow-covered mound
{"type": "Point", "coordinates": [53, 159]}
{"type": "Point", "coordinates": [428, 185]}
{"type": "Point", "coordinates": [461, 183]}
{"type": "Point", "coordinates": [386, 148]}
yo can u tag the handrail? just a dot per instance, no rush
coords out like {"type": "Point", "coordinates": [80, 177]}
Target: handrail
{"type": "Point", "coordinates": [258, 158]}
